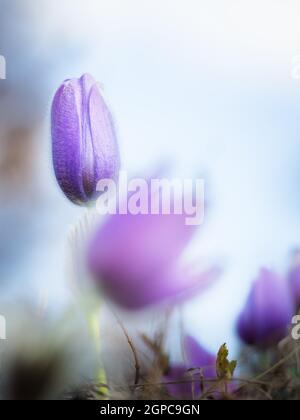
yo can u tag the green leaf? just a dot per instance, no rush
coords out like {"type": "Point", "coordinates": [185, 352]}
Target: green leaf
{"type": "Point", "coordinates": [225, 368]}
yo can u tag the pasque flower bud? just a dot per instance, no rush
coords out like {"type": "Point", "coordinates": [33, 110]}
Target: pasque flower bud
{"type": "Point", "coordinates": [268, 311]}
{"type": "Point", "coordinates": [84, 144]}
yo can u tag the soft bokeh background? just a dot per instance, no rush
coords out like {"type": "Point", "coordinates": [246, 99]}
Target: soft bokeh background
{"type": "Point", "coordinates": [209, 86]}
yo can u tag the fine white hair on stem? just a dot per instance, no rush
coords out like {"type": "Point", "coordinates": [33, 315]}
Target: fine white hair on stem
{"type": "Point", "coordinates": [77, 241]}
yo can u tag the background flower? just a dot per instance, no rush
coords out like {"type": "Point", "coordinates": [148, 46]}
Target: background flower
{"type": "Point", "coordinates": [268, 311]}
{"type": "Point", "coordinates": [136, 259]}
{"type": "Point", "coordinates": [199, 364]}
{"type": "Point", "coordinates": [294, 278]}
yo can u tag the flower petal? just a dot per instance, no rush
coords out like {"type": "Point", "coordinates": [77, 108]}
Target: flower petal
{"type": "Point", "coordinates": [268, 311]}
{"type": "Point", "coordinates": [66, 140]}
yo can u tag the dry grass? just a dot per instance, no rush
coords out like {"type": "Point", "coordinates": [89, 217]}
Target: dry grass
{"type": "Point", "coordinates": [273, 374]}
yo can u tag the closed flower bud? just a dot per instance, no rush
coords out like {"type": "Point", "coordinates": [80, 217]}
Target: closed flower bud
{"type": "Point", "coordinates": [268, 311]}
{"type": "Point", "coordinates": [84, 144]}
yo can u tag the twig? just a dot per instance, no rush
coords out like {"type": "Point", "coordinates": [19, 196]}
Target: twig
{"type": "Point", "coordinates": [133, 349]}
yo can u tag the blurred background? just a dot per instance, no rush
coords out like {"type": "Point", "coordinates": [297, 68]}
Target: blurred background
{"type": "Point", "coordinates": [210, 87]}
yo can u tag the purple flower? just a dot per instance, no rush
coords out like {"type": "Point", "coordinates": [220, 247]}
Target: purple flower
{"type": "Point", "coordinates": [201, 363]}
{"type": "Point", "coordinates": [268, 311]}
{"type": "Point", "coordinates": [294, 278]}
{"type": "Point", "coordinates": [135, 258]}
{"type": "Point", "coordinates": [84, 144]}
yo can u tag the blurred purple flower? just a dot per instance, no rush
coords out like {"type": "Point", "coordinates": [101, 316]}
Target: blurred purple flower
{"type": "Point", "coordinates": [84, 143]}
{"type": "Point", "coordinates": [294, 278]}
{"type": "Point", "coordinates": [202, 364]}
{"type": "Point", "coordinates": [268, 311]}
{"type": "Point", "coordinates": [135, 258]}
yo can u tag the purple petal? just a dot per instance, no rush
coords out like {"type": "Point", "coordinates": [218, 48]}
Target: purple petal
{"type": "Point", "coordinates": [198, 357]}
{"type": "Point", "coordinates": [200, 365]}
{"type": "Point", "coordinates": [183, 389]}
{"type": "Point", "coordinates": [294, 278]}
{"type": "Point", "coordinates": [104, 141]}
{"type": "Point", "coordinates": [174, 284]}
{"type": "Point", "coordinates": [133, 257]}
{"type": "Point", "coordinates": [66, 135]}
{"type": "Point", "coordinates": [268, 311]}
{"type": "Point", "coordinates": [140, 244]}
